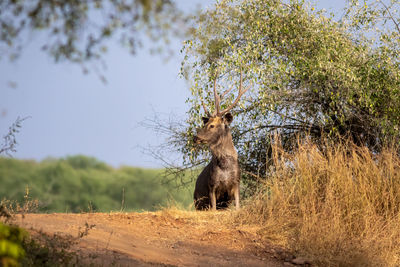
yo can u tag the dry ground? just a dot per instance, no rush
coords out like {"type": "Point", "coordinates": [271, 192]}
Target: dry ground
{"type": "Point", "coordinates": [167, 238]}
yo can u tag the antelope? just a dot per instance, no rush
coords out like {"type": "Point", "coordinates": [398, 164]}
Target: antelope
{"type": "Point", "coordinates": [218, 183]}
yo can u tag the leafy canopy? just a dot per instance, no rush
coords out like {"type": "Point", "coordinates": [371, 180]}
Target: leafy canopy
{"type": "Point", "coordinates": [77, 30]}
{"type": "Point", "coordinates": [310, 74]}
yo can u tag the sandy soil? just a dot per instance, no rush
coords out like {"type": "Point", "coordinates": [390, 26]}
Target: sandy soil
{"type": "Point", "coordinates": [163, 238]}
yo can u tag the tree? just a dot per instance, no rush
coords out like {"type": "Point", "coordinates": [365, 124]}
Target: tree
{"type": "Point", "coordinates": [310, 75]}
{"type": "Point", "coordinates": [78, 30]}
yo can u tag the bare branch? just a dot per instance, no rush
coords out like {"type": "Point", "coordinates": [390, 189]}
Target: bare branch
{"type": "Point", "coordinates": [391, 16]}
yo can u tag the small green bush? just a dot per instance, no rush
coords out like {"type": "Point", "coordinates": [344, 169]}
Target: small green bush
{"type": "Point", "coordinates": [11, 240]}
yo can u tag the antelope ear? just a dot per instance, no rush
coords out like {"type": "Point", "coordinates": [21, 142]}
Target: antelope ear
{"type": "Point", "coordinates": [205, 119]}
{"type": "Point", "coordinates": [228, 118]}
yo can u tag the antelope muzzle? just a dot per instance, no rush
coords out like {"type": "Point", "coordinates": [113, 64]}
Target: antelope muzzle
{"type": "Point", "coordinates": [198, 140]}
{"type": "Point", "coordinates": [200, 137]}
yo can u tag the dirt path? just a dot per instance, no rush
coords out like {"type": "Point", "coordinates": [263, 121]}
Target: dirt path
{"type": "Point", "coordinates": [156, 238]}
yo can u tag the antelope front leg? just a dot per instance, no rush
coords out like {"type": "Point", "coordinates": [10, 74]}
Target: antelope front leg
{"type": "Point", "coordinates": [213, 200]}
{"type": "Point", "coordinates": [236, 194]}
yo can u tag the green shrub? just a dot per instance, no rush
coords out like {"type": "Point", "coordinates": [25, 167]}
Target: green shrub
{"type": "Point", "coordinates": [11, 240]}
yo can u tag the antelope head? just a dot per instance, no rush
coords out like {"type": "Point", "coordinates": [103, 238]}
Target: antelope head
{"type": "Point", "coordinates": [216, 124]}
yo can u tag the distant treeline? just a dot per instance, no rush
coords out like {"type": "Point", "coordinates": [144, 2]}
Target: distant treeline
{"type": "Point", "coordinates": [81, 183]}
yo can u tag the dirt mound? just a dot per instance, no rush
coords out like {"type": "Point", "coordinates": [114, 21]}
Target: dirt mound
{"type": "Point", "coordinates": [175, 238]}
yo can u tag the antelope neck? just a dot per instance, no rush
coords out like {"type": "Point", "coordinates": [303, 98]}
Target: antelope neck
{"type": "Point", "coordinates": [224, 147]}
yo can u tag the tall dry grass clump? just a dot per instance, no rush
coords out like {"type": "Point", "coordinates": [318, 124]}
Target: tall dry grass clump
{"type": "Point", "coordinates": [337, 205]}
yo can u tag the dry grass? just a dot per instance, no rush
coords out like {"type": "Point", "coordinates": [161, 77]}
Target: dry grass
{"type": "Point", "coordinates": [337, 207]}
{"type": "Point", "coordinates": [12, 207]}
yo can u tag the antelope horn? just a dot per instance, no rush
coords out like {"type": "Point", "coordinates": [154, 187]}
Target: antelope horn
{"type": "Point", "coordinates": [216, 96]}
{"type": "Point", "coordinates": [205, 109]}
{"type": "Point", "coordinates": [241, 92]}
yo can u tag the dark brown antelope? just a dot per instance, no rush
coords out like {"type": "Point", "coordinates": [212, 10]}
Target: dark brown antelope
{"type": "Point", "coordinates": [218, 184]}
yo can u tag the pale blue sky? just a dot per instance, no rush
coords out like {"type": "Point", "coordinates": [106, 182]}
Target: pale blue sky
{"type": "Point", "coordinates": [72, 113]}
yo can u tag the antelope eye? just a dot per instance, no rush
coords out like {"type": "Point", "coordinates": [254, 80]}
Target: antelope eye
{"type": "Point", "coordinates": [212, 126]}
